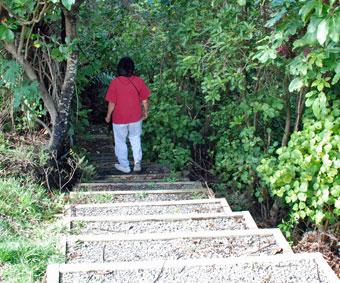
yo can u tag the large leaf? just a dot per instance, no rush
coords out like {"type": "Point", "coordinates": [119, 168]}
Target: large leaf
{"type": "Point", "coordinates": [322, 31]}
{"type": "Point", "coordinates": [295, 84]}
{"type": "Point", "coordinates": [6, 34]}
{"type": "Point", "coordinates": [68, 3]}
{"type": "Point", "coordinates": [242, 2]}
{"type": "Point", "coordinates": [334, 28]}
{"type": "Point", "coordinates": [307, 9]}
{"type": "Point", "coordinates": [277, 17]}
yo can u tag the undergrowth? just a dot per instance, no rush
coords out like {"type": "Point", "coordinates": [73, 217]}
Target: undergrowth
{"type": "Point", "coordinates": [28, 233]}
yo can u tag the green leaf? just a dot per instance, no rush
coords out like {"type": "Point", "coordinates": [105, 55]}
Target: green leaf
{"type": "Point", "coordinates": [322, 31]}
{"type": "Point", "coordinates": [337, 204]}
{"type": "Point", "coordinates": [302, 196]}
{"type": "Point", "coordinates": [242, 2]}
{"type": "Point", "coordinates": [304, 187]}
{"type": "Point", "coordinates": [68, 3]}
{"type": "Point", "coordinates": [6, 34]}
{"type": "Point", "coordinates": [307, 9]}
{"type": "Point", "coordinates": [334, 29]}
{"type": "Point", "coordinates": [316, 108]}
{"type": "Point", "coordinates": [295, 84]}
{"type": "Point", "coordinates": [319, 216]}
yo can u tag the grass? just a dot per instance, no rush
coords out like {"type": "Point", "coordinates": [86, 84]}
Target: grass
{"type": "Point", "coordinates": [142, 195]}
{"type": "Point", "coordinates": [172, 178]}
{"type": "Point", "coordinates": [100, 198]}
{"type": "Point", "coordinates": [196, 195]}
{"type": "Point", "coordinates": [77, 226]}
{"type": "Point", "coordinates": [28, 232]}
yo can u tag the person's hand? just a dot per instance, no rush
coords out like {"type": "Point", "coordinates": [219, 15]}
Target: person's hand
{"type": "Point", "coordinates": [107, 119]}
{"type": "Point", "coordinates": [145, 115]}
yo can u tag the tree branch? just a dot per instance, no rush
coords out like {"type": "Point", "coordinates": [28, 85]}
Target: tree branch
{"type": "Point", "coordinates": [29, 71]}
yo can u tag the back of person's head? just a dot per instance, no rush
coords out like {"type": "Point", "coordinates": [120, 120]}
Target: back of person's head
{"type": "Point", "coordinates": [126, 67]}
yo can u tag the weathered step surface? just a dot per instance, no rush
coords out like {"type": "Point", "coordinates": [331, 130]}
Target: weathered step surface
{"type": "Point", "coordinates": [137, 186]}
{"type": "Point", "coordinates": [172, 246]}
{"type": "Point", "coordinates": [149, 208]}
{"type": "Point", "coordinates": [105, 166]}
{"type": "Point", "coordinates": [165, 177]}
{"type": "Point", "coordinates": [138, 196]}
{"type": "Point", "coordinates": [286, 268]}
{"type": "Point", "coordinates": [161, 223]}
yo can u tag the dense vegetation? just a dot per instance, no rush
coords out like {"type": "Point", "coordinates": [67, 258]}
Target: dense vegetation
{"type": "Point", "coordinates": [245, 93]}
{"type": "Point", "coordinates": [246, 89]}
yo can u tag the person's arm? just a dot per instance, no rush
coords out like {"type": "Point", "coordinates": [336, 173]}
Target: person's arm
{"type": "Point", "coordinates": [110, 109]}
{"type": "Point", "coordinates": [145, 109]}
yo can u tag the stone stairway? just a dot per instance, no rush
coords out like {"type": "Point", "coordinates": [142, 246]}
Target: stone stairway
{"type": "Point", "coordinates": [154, 227]}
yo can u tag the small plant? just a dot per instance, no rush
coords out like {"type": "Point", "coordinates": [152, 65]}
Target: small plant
{"type": "Point", "coordinates": [196, 195]}
{"type": "Point", "coordinates": [153, 186]}
{"type": "Point", "coordinates": [142, 195]}
{"type": "Point", "coordinates": [172, 178]}
{"type": "Point", "coordinates": [98, 198]}
{"type": "Point", "coordinates": [77, 227]}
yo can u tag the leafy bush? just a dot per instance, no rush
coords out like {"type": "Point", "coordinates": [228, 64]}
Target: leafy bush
{"type": "Point", "coordinates": [168, 133]}
{"type": "Point", "coordinates": [305, 174]}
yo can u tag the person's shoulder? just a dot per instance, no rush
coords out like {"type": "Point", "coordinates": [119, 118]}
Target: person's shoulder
{"type": "Point", "coordinates": [138, 79]}
{"type": "Point", "coordinates": [114, 81]}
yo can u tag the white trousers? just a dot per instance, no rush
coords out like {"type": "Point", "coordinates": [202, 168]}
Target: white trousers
{"type": "Point", "coordinates": [134, 132]}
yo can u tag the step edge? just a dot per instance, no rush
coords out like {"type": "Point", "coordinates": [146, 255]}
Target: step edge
{"type": "Point", "coordinates": [135, 218]}
{"type": "Point", "coordinates": [74, 268]}
{"type": "Point", "coordinates": [136, 183]}
{"type": "Point", "coordinates": [146, 203]}
{"type": "Point", "coordinates": [128, 192]}
{"type": "Point", "coordinates": [182, 235]}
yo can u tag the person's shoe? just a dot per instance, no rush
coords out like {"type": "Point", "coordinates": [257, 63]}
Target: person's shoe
{"type": "Point", "coordinates": [137, 168]}
{"type": "Point", "coordinates": [123, 169]}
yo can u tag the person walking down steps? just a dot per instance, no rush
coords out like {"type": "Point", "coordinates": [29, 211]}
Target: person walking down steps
{"type": "Point", "coordinates": [127, 98]}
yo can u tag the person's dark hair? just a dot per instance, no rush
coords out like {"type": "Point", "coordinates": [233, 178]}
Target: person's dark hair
{"type": "Point", "coordinates": [126, 67]}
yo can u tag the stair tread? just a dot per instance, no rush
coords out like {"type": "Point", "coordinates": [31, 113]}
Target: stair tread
{"type": "Point", "coordinates": [138, 196]}
{"type": "Point", "coordinates": [300, 268]}
{"type": "Point", "coordinates": [161, 223]}
{"type": "Point", "coordinates": [137, 185]}
{"type": "Point", "coordinates": [150, 208]}
{"type": "Point", "coordinates": [221, 244]}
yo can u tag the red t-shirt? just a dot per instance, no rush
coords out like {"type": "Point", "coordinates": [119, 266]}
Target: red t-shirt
{"type": "Point", "coordinates": [123, 93]}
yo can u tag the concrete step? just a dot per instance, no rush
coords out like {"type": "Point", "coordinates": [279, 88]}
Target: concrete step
{"type": "Point", "coordinates": [171, 246]}
{"type": "Point", "coordinates": [108, 163]}
{"type": "Point", "coordinates": [137, 224]}
{"type": "Point", "coordinates": [160, 177]}
{"type": "Point", "coordinates": [136, 186]}
{"type": "Point", "coordinates": [139, 196]}
{"type": "Point", "coordinates": [149, 208]}
{"type": "Point", "coordinates": [285, 268]}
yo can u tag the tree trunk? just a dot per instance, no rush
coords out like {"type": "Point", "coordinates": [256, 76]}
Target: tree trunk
{"type": "Point", "coordinates": [61, 126]}
{"type": "Point", "coordinates": [286, 134]}
{"type": "Point", "coordinates": [58, 105]}
{"type": "Point", "coordinates": [299, 111]}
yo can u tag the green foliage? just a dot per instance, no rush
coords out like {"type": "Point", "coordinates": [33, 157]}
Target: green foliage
{"type": "Point", "coordinates": [27, 242]}
{"type": "Point", "coordinates": [26, 98]}
{"type": "Point", "coordinates": [21, 159]}
{"type": "Point", "coordinates": [237, 158]}
{"type": "Point", "coordinates": [305, 174]}
{"type": "Point", "coordinates": [24, 205]}
{"type": "Point", "coordinates": [237, 199]}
